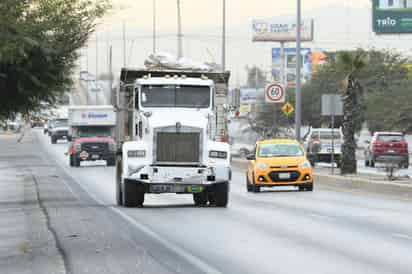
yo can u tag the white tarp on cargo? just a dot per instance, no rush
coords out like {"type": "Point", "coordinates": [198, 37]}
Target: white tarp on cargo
{"type": "Point", "coordinates": [169, 61]}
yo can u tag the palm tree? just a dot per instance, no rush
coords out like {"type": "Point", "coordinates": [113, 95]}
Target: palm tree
{"type": "Point", "coordinates": [352, 92]}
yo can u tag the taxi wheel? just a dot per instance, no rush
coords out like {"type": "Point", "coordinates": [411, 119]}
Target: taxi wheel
{"type": "Point", "coordinates": [306, 187]}
{"type": "Point", "coordinates": [249, 187]}
{"type": "Point", "coordinates": [256, 188]}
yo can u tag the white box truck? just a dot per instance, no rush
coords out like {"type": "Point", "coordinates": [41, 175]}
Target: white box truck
{"type": "Point", "coordinates": [92, 130]}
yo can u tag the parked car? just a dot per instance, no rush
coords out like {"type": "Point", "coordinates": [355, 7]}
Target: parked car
{"type": "Point", "coordinates": [37, 122]}
{"type": "Point", "coordinates": [318, 144]}
{"type": "Point", "coordinates": [279, 162]}
{"type": "Point", "coordinates": [386, 146]}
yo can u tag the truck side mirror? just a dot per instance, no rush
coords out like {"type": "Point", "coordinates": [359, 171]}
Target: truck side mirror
{"type": "Point", "coordinates": [251, 157]}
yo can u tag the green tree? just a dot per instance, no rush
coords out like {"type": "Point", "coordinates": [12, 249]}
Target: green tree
{"type": "Point", "coordinates": [39, 45]}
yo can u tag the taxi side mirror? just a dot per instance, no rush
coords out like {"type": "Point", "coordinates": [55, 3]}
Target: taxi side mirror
{"type": "Point", "coordinates": [251, 157]}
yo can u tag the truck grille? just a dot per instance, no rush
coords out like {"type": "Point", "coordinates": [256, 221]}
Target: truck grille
{"type": "Point", "coordinates": [95, 147]}
{"type": "Point", "coordinates": [178, 147]}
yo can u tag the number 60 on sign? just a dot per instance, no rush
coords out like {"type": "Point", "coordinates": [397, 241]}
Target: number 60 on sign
{"type": "Point", "coordinates": [274, 93]}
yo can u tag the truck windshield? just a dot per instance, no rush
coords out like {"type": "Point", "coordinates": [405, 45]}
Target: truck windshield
{"type": "Point", "coordinates": [94, 131]}
{"type": "Point", "coordinates": [60, 123]}
{"type": "Point", "coordinates": [181, 96]}
{"type": "Point", "coordinates": [326, 135]}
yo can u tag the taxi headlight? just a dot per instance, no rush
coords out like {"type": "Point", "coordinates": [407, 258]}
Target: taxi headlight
{"type": "Point", "coordinates": [305, 164]}
{"type": "Point", "coordinates": [136, 153]}
{"type": "Point", "coordinates": [261, 166]}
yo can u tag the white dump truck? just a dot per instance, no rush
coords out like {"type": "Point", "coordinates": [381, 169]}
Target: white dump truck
{"type": "Point", "coordinates": [172, 136]}
{"type": "Point", "coordinates": [92, 130]}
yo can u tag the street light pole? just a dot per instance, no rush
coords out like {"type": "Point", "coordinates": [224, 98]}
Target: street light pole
{"type": "Point", "coordinates": [179, 32]}
{"type": "Point", "coordinates": [224, 37]}
{"type": "Point", "coordinates": [154, 26]}
{"type": "Point", "coordinates": [298, 103]}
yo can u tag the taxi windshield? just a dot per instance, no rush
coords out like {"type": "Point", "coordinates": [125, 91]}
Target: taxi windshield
{"type": "Point", "coordinates": [280, 150]}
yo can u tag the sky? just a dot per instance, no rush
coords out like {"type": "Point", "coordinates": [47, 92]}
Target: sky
{"type": "Point", "coordinates": [339, 24]}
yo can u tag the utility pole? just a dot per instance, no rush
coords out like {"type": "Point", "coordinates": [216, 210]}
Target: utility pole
{"type": "Point", "coordinates": [97, 67]}
{"type": "Point", "coordinates": [154, 26]}
{"type": "Point", "coordinates": [224, 37]}
{"type": "Point", "coordinates": [298, 103]}
{"type": "Point", "coordinates": [179, 32]}
{"type": "Point", "coordinates": [110, 75]}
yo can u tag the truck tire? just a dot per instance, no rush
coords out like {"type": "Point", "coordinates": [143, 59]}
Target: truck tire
{"type": "Point", "coordinates": [201, 198]}
{"type": "Point", "coordinates": [372, 163]}
{"type": "Point", "coordinates": [119, 194]}
{"type": "Point", "coordinates": [111, 161]}
{"type": "Point", "coordinates": [221, 194]}
{"type": "Point", "coordinates": [53, 140]}
{"type": "Point", "coordinates": [133, 194]}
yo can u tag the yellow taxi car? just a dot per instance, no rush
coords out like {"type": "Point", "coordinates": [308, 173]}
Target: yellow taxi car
{"type": "Point", "coordinates": [279, 162]}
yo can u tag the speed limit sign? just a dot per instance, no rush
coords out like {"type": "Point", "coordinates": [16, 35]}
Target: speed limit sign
{"type": "Point", "coordinates": [274, 93]}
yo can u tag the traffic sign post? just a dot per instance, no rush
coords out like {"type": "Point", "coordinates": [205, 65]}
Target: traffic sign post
{"type": "Point", "coordinates": [332, 105]}
{"type": "Point", "coordinates": [274, 93]}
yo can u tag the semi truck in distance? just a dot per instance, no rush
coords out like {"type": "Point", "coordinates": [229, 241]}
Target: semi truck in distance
{"type": "Point", "coordinates": [172, 136]}
{"type": "Point", "coordinates": [91, 130]}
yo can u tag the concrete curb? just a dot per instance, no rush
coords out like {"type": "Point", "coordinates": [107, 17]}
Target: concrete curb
{"type": "Point", "coordinates": [352, 179]}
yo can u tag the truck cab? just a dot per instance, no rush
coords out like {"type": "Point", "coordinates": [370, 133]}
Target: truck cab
{"type": "Point", "coordinates": [173, 146]}
{"type": "Point", "coordinates": [92, 134]}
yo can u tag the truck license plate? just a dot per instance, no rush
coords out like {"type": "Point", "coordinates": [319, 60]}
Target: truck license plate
{"type": "Point", "coordinates": [284, 175]}
{"type": "Point", "coordinates": [95, 157]}
{"type": "Point", "coordinates": [161, 188]}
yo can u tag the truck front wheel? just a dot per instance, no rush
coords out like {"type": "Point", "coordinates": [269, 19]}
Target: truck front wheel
{"type": "Point", "coordinates": [73, 161]}
{"type": "Point", "coordinates": [119, 195]}
{"type": "Point", "coordinates": [53, 140]}
{"type": "Point", "coordinates": [133, 194]}
{"type": "Point", "coordinates": [201, 198]}
{"type": "Point", "coordinates": [220, 194]}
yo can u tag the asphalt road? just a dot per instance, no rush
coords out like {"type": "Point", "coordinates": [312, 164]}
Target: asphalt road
{"type": "Point", "coordinates": [283, 231]}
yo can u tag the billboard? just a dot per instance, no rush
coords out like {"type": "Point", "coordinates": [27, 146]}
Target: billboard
{"type": "Point", "coordinates": [273, 31]}
{"type": "Point", "coordinates": [392, 16]}
{"type": "Point", "coordinates": [290, 61]}
{"type": "Point", "coordinates": [248, 95]}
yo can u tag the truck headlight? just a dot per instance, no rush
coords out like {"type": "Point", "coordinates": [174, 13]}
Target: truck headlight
{"type": "Point", "coordinates": [305, 164]}
{"type": "Point", "coordinates": [136, 153]}
{"type": "Point", "coordinates": [218, 154]}
{"type": "Point", "coordinates": [261, 166]}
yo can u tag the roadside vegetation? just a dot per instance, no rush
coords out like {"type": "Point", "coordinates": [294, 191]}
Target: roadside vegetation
{"type": "Point", "coordinates": [39, 45]}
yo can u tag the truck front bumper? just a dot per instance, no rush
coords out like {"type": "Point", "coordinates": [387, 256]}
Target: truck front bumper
{"type": "Point", "coordinates": [167, 179]}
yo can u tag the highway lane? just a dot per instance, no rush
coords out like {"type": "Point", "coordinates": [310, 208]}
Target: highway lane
{"type": "Point", "coordinates": [270, 232]}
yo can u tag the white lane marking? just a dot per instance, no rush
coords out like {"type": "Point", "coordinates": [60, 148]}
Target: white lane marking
{"type": "Point", "coordinates": [192, 259]}
{"type": "Point", "coordinates": [319, 216]}
{"type": "Point", "coordinates": [403, 236]}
